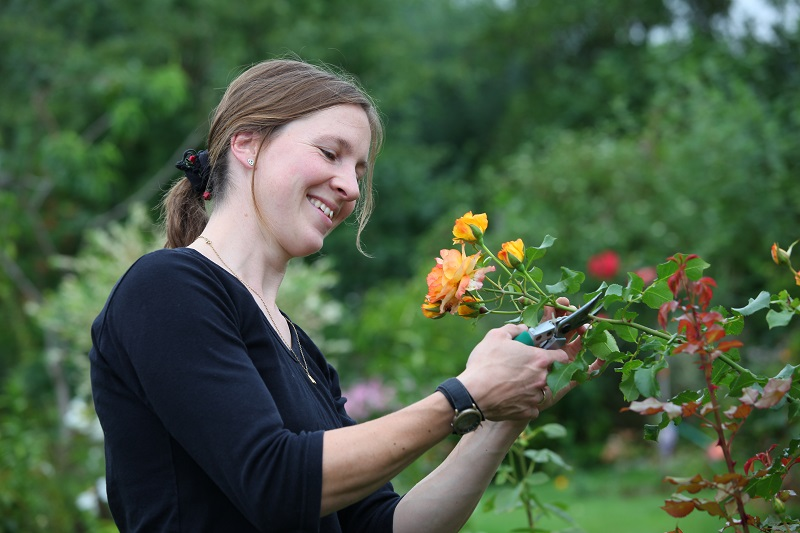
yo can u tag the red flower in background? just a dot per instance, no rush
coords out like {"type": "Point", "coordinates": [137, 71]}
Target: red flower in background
{"type": "Point", "coordinates": [604, 265]}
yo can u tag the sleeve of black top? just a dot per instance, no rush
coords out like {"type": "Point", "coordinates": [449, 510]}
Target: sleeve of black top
{"type": "Point", "coordinates": [179, 331]}
{"type": "Point", "coordinates": [375, 513]}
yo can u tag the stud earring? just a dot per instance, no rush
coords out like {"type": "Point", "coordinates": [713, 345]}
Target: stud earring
{"type": "Point", "coordinates": [250, 162]}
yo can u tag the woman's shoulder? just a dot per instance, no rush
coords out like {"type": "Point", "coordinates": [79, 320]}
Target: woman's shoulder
{"type": "Point", "coordinates": [167, 271]}
{"type": "Point", "coordinates": [170, 261]}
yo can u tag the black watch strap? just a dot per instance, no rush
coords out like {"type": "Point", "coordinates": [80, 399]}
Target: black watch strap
{"type": "Point", "coordinates": [461, 401]}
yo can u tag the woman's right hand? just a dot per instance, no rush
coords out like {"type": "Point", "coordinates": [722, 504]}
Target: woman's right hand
{"type": "Point", "coordinates": [506, 378]}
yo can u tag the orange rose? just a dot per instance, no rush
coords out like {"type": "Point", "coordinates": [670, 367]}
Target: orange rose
{"type": "Point", "coordinates": [512, 254]}
{"type": "Point", "coordinates": [774, 252]}
{"type": "Point", "coordinates": [431, 309]}
{"type": "Point", "coordinates": [454, 274]}
{"type": "Point", "coordinates": [797, 277]}
{"type": "Point", "coordinates": [469, 307]}
{"type": "Point", "coordinates": [470, 228]}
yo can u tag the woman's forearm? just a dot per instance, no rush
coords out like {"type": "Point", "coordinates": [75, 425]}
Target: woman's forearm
{"type": "Point", "coordinates": [445, 499]}
{"type": "Point", "coordinates": [357, 460]}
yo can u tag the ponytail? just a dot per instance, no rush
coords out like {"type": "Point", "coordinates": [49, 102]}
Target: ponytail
{"type": "Point", "coordinates": [183, 206]}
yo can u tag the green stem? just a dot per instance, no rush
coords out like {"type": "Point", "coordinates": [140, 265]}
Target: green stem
{"type": "Point", "coordinates": [510, 273]}
{"type": "Point", "coordinates": [654, 332]}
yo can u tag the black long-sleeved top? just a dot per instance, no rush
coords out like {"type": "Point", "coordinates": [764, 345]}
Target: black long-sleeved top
{"type": "Point", "coordinates": [210, 423]}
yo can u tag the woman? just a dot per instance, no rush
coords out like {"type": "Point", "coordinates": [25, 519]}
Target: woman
{"type": "Point", "coordinates": [219, 413]}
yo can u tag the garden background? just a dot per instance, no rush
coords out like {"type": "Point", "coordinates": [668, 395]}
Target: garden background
{"type": "Point", "coordinates": [635, 129]}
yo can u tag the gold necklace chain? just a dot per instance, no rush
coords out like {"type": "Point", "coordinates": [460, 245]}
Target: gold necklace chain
{"type": "Point", "coordinates": [288, 345]}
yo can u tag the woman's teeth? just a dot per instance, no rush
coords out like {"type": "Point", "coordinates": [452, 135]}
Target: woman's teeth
{"type": "Point", "coordinates": [322, 207]}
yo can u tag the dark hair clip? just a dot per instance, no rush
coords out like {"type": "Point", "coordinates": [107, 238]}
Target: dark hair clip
{"type": "Point", "coordinates": [196, 168]}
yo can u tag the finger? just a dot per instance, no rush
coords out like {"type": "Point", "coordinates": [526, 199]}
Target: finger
{"type": "Point", "coordinates": [512, 330]}
{"type": "Point", "coordinates": [594, 369]}
{"type": "Point", "coordinates": [564, 301]}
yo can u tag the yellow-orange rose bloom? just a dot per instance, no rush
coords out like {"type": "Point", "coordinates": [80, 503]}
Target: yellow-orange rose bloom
{"type": "Point", "coordinates": [470, 228]}
{"type": "Point", "coordinates": [469, 307]}
{"type": "Point", "coordinates": [431, 309]}
{"type": "Point", "coordinates": [454, 274]}
{"type": "Point", "coordinates": [797, 277]}
{"type": "Point", "coordinates": [512, 253]}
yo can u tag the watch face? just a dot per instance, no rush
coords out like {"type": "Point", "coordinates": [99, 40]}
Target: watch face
{"type": "Point", "coordinates": [466, 421]}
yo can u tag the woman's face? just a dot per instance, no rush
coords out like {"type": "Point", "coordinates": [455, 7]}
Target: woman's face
{"type": "Point", "coordinates": [307, 176]}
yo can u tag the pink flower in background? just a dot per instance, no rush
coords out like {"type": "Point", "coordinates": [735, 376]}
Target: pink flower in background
{"type": "Point", "coordinates": [367, 398]}
{"type": "Point", "coordinates": [648, 274]}
{"type": "Point", "coordinates": [604, 265]}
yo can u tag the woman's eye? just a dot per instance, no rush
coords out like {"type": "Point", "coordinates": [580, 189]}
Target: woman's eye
{"type": "Point", "coordinates": [328, 154]}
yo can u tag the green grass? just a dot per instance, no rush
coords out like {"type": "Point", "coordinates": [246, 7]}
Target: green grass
{"type": "Point", "coordinates": [601, 501]}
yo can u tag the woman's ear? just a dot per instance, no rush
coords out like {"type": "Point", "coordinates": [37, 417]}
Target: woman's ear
{"type": "Point", "coordinates": [244, 148]}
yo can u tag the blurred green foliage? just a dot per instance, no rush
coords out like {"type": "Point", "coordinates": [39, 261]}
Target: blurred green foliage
{"type": "Point", "coordinates": [560, 118]}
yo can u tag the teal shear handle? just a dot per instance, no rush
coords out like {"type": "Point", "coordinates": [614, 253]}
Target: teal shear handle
{"type": "Point", "coordinates": [552, 334]}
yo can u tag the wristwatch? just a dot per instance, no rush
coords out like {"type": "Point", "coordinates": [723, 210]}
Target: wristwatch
{"type": "Point", "coordinates": [468, 415]}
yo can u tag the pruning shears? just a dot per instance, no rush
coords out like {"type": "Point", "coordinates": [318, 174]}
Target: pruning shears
{"type": "Point", "coordinates": [552, 334]}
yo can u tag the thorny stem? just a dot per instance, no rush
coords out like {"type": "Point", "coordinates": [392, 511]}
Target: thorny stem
{"type": "Point", "coordinates": [722, 442]}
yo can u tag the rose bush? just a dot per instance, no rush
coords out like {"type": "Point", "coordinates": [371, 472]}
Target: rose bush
{"type": "Point", "coordinates": [687, 325]}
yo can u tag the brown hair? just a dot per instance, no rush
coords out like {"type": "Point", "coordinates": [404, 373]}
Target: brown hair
{"type": "Point", "coordinates": [263, 98]}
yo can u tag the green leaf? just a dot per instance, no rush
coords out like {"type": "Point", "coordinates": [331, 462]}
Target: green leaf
{"type": "Point", "coordinates": [602, 345]}
{"type": "Point", "coordinates": [554, 431]}
{"type": "Point", "coordinates": [536, 252]}
{"type": "Point", "coordinates": [530, 315]}
{"type": "Point", "coordinates": [742, 380]}
{"type": "Point", "coordinates": [721, 372]}
{"type": "Point", "coordinates": [651, 432]}
{"type": "Point", "coordinates": [786, 372]}
{"type": "Point", "coordinates": [695, 268]}
{"type": "Point", "coordinates": [755, 304]}
{"type": "Point", "coordinates": [537, 274]}
{"type": "Point", "coordinates": [765, 487]}
{"type": "Point", "coordinates": [665, 270]}
{"type": "Point", "coordinates": [570, 282]}
{"type": "Point", "coordinates": [734, 325]}
{"type": "Point", "coordinates": [634, 288]}
{"type": "Point", "coordinates": [645, 379]}
{"type": "Point", "coordinates": [777, 319]}
{"type": "Point", "coordinates": [561, 374]}
{"type": "Point", "coordinates": [628, 388]}
{"type": "Point", "coordinates": [625, 333]}
{"type": "Point", "coordinates": [507, 499]}
{"type": "Point", "coordinates": [657, 294]}
{"type": "Point", "coordinates": [546, 456]}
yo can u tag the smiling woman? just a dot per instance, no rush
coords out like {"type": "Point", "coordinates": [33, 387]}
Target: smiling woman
{"type": "Point", "coordinates": [219, 413]}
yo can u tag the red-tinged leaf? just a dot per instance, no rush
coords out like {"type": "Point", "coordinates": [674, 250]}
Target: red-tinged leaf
{"type": "Point", "coordinates": [714, 334]}
{"type": "Point", "coordinates": [676, 530]}
{"type": "Point", "coordinates": [691, 485]}
{"type": "Point", "coordinates": [774, 391]}
{"type": "Point", "coordinates": [711, 507]}
{"type": "Point", "coordinates": [727, 345]}
{"type": "Point", "coordinates": [749, 396]}
{"type": "Point", "coordinates": [732, 478]}
{"type": "Point", "coordinates": [749, 464]}
{"type": "Point", "coordinates": [678, 508]}
{"type": "Point", "coordinates": [689, 408]}
{"type": "Point", "coordinates": [664, 312]}
{"type": "Point", "coordinates": [682, 480]}
{"type": "Point", "coordinates": [650, 406]}
{"type": "Point", "coordinates": [740, 411]}
{"type": "Point", "coordinates": [731, 426]}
